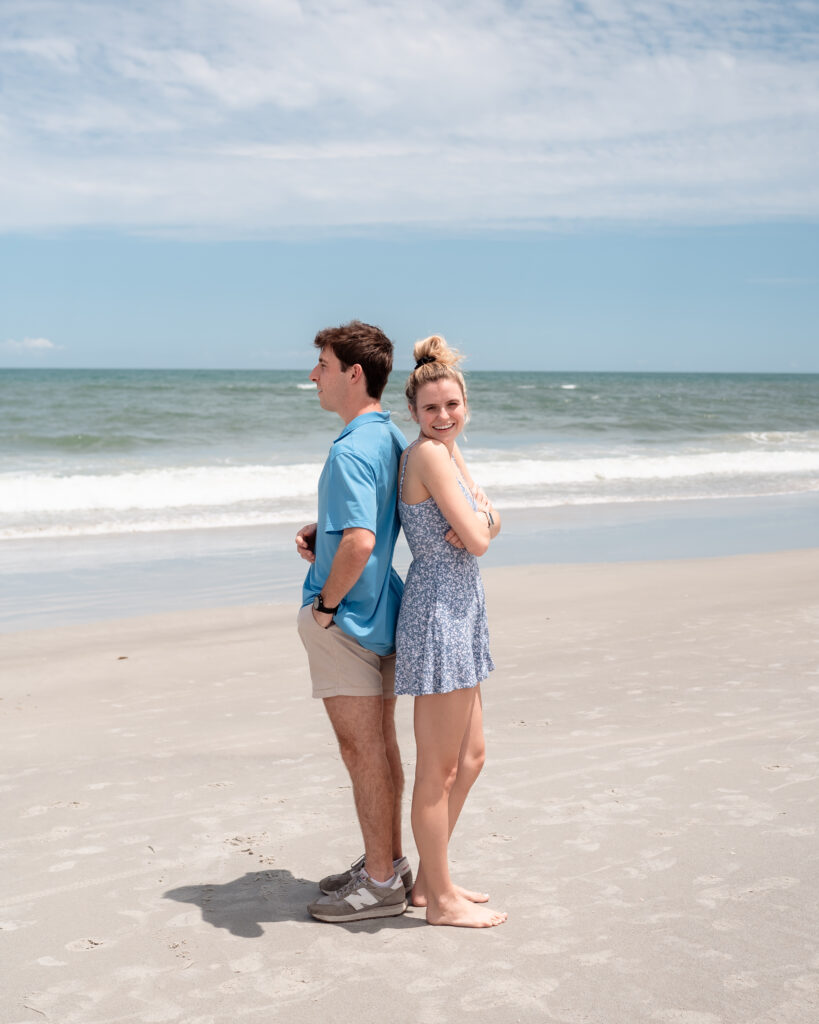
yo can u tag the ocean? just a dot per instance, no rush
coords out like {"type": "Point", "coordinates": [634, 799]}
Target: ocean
{"type": "Point", "coordinates": [89, 452]}
{"type": "Point", "coordinates": [171, 465]}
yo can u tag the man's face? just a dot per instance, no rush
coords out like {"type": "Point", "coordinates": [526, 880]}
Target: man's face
{"type": "Point", "coordinates": [332, 383]}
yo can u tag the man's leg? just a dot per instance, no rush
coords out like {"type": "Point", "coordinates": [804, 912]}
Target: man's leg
{"type": "Point", "coordinates": [358, 725]}
{"type": "Point", "coordinates": [396, 772]}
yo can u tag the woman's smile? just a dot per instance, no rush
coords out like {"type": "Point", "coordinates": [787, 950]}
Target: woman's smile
{"type": "Point", "coordinates": [440, 410]}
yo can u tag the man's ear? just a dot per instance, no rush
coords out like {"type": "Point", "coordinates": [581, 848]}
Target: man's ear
{"type": "Point", "coordinates": [357, 372]}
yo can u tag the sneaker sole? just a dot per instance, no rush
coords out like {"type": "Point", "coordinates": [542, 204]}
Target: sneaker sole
{"type": "Point", "coordinates": [362, 915]}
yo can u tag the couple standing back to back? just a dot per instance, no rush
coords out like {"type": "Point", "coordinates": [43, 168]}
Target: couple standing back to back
{"type": "Point", "coordinates": [353, 619]}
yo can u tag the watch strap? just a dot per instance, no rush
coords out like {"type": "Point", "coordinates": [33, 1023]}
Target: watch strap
{"type": "Point", "coordinates": [319, 605]}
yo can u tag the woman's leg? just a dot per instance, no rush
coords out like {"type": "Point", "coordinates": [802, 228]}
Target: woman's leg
{"type": "Point", "coordinates": [441, 727]}
{"type": "Point", "coordinates": [470, 762]}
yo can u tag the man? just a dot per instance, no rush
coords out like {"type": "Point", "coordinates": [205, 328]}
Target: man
{"type": "Point", "coordinates": [349, 609]}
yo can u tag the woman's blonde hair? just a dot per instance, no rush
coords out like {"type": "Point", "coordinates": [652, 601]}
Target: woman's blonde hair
{"type": "Point", "coordinates": [434, 360]}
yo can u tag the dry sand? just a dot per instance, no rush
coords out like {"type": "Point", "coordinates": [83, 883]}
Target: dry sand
{"type": "Point", "coordinates": [647, 815]}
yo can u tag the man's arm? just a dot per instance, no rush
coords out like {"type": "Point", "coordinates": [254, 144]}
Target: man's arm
{"type": "Point", "coordinates": [351, 556]}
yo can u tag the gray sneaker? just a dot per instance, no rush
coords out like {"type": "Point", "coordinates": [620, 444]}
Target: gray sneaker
{"type": "Point", "coordinates": [332, 883]}
{"type": "Point", "coordinates": [360, 899]}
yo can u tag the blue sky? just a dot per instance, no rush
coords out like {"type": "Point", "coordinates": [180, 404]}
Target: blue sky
{"type": "Point", "coordinates": [553, 185]}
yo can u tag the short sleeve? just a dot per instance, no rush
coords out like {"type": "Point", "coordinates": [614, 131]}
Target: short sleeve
{"type": "Point", "coordinates": [352, 494]}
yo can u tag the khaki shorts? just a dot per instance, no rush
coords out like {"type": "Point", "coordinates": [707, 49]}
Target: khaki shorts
{"type": "Point", "coordinates": [340, 666]}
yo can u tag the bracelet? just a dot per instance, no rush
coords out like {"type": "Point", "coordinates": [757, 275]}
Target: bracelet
{"type": "Point", "coordinates": [490, 522]}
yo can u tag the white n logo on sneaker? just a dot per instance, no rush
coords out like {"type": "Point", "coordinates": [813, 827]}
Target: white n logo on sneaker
{"type": "Point", "coordinates": [361, 898]}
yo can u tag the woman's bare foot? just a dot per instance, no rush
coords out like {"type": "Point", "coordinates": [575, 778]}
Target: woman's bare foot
{"type": "Point", "coordinates": [418, 898]}
{"type": "Point", "coordinates": [462, 913]}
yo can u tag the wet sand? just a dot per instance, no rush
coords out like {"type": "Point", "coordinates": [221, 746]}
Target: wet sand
{"type": "Point", "coordinates": [647, 815]}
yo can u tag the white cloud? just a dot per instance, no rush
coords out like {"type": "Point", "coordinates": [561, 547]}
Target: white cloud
{"type": "Point", "coordinates": [56, 51]}
{"type": "Point", "coordinates": [242, 116]}
{"type": "Point", "coordinates": [38, 345]}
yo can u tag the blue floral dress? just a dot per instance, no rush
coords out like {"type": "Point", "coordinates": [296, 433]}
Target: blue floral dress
{"type": "Point", "coordinates": [442, 637]}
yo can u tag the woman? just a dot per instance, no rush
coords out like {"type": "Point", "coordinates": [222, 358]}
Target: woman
{"type": "Point", "coordinates": [442, 640]}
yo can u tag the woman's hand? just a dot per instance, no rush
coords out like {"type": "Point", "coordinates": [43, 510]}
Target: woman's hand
{"type": "Point", "coordinates": [487, 510]}
{"type": "Point", "coordinates": [480, 497]}
{"type": "Point", "coordinates": [451, 537]}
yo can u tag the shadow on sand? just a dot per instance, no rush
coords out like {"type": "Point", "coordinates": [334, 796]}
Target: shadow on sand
{"type": "Point", "coordinates": [266, 897]}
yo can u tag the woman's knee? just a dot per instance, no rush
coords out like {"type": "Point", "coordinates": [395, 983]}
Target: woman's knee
{"type": "Point", "coordinates": [473, 761]}
{"type": "Point", "coordinates": [436, 775]}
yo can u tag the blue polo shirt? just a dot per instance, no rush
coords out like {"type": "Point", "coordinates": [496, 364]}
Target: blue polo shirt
{"type": "Point", "coordinates": [357, 488]}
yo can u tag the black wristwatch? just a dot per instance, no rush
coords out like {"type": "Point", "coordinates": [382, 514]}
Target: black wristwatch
{"type": "Point", "coordinates": [319, 606]}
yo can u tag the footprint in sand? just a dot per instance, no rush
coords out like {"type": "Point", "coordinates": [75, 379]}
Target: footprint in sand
{"type": "Point", "coordinates": [80, 945]}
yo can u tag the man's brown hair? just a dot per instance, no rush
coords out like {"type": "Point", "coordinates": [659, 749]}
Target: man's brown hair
{"type": "Point", "coordinates": [361, 343]}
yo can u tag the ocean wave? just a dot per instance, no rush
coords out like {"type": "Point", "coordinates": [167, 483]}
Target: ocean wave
{"type": "Point", "coordinates": [545, 472]}
{"type": "Point", "coordinates": [776, 438]}
{"type": "Point", "coordinates": [182, 520]}
{"type": "Point", "coordinates": [204, 520]}
{"type": "Point", "coordinates": [36, 505]}
{"type": "Point", "coordinates": [196, 486]}
{"type": "Point", "coordinates": [87, 443]}
{"type": "Point", "coordinates": [223, 486]}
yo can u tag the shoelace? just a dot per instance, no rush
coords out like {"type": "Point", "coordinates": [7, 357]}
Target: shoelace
{"type": "Point", "coordinates": [356, 880]}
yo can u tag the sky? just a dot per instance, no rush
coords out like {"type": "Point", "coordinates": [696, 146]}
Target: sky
{"type": "Point", "coordinates": [559, 185]}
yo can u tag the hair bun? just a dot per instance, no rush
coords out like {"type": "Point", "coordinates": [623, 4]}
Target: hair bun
{"type": "Point", "coordinates": [434, 360]}
{"type": "Point", "coordinates": [434, 349]}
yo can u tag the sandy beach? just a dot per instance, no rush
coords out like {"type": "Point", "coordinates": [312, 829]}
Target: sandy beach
{"type": "Point", "coordinates": [647, 815]}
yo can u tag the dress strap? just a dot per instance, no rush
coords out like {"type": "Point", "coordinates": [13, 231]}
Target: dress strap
{"type": "Point", "coordinates": [404, 469]}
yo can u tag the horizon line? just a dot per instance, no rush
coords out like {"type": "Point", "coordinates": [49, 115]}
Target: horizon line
{"type": "Point", "coordinates": [407, 368]}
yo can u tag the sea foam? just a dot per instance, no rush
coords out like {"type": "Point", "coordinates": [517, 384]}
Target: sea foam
{"type": "Point", "coordinates": [198, 497]}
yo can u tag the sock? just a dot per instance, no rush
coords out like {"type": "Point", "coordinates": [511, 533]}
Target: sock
{"type": "Point", "coordinates": [381, 885]}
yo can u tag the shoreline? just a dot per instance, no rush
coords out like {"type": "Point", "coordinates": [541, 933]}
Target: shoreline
{"type": "Point", "coordinates": [647, 814]}
{"type": "Point", "coordinates": [86, 579]}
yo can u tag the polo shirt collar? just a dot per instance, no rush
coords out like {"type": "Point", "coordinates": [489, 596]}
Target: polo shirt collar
{"type": "Point", "coordinates": [365, 417]}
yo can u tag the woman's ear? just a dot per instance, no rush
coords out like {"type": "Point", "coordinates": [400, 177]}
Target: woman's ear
{"type": "Point", "coordinates": [411, 408]}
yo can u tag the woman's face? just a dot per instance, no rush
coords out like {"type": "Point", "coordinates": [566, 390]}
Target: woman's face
{"type": "Point", "coordinates": [440, 410]}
